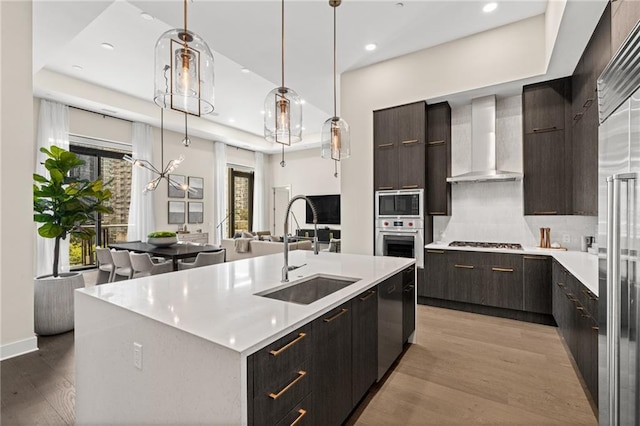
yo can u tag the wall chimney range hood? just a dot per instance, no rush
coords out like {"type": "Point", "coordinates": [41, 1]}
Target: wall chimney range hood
{"type": "Point", "coordinates": [483, 146]}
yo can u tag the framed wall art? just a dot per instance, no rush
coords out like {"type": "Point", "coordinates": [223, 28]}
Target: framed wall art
{"type": "Point", "coordinates": [176, 212]}
{"type": "Point", "coordinates": [196, 183]}
{"type": "Point", "coordinates": [176, 192]}
{"type": "Point", "coordinates": [196, 212]}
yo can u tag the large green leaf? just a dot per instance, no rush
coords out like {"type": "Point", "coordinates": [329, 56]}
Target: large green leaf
{"type": "Point", "coordinates": [50, 230]}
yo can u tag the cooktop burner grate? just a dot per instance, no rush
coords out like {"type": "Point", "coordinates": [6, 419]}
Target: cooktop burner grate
{"type": "Point", "coordinates": [480, 244]}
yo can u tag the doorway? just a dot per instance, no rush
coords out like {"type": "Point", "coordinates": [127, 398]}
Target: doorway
{"type": "Point", "coordinates": [281, 196]}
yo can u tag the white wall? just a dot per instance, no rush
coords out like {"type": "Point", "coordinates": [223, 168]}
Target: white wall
{"type": "Point", "coordinates": [508, 53]}
{"type": "Point", "coordinates": [307, 174]}
{"type": "Point", "coordinates": [16, 166]}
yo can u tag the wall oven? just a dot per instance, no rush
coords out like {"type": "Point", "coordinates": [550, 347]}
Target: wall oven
{"type": "Point", "coordinates": [401, 238]}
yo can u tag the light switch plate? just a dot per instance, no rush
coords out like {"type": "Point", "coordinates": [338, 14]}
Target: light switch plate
{"type": "Point", "coordinates": [137, 355]}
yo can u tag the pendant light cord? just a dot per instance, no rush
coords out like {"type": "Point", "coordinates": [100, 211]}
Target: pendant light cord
{"type": "Point", "coordinates": [161, 137]}
{"type": "Point", "coordinates": [282, 41]}
{"type": "Point", "coordinates": [186, 136]}
{"type": "Point", "coordinates": [185, 22]}
{"type": "Point", "coordinates": [335, 114]}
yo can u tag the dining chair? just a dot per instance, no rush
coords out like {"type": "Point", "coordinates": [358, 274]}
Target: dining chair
{"type": "Point", "coordinates": [122, 263]}
{"type": "Point", "coordinates": [203, 259]}
{"type": "Point", "coordinates": [106, 267]}
{"type": "Point", "coordinates": [143, 266]}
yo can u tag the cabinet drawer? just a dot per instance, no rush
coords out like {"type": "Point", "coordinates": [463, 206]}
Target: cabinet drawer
{"type": "Point", "coordinates": [274, 364]}
{"type": "Point", "coordinates": [271, 405]}
{"type": "Point", "coordinates": [301, 415]}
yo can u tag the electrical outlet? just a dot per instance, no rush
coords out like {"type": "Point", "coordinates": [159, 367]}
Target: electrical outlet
{"type": "Point", "coordinates": [566, 238]}
{"type": "Point", "coordinates": [137, 355]}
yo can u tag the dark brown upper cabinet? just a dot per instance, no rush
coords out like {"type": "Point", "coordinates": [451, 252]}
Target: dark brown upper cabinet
{"type": "Point", "coordinates": [545, 106]}
{"type": "Point", "coordinates": [438, 159]}
{"type": "Point", "coordinates": [399, 147]}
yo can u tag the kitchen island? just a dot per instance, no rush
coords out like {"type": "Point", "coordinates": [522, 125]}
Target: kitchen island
{"type": "Point", "coordinates": [173, 348]}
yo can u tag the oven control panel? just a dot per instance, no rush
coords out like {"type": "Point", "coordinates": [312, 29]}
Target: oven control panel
{"type": "Point", "coordinates": [399, 224]}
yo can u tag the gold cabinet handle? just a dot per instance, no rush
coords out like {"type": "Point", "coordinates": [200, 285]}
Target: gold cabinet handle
{"type": "Point", "coordinates": [409, 142]}
{"type": "Point", "coordinates": [371, 293]}
{"type": "Point", "coordinates": [436, 142]}
{"type": "Point", "coordinates": [385, 145]}
{"type": "Point", "coordinates": [385, 187]}
{"type": "Point", "coordinates": [342, 312]}
{"type": "Point", "coordinates": [560, 285]}
{"type": "Point", "coordinates": [595, 328]}
{"type": "Point", "coordinates": [302, 412]}
{"type": "Point", "coordinates": [464, 266]}
{"type": "Point", "coordinates": [436, 251]}
{"type": "Point", "coordinates": [546, 213]}
{"type": "Point", "coordinates": [409, 186]}
{"type": "Point", "coordinates": [502, 269]}
{"type": "Point", "coordinates": [587, 103]}
{"type": "Point", "coordinates": [288, 345]}
{"type": "Point", "coordinates": [580, 308]}
{"type": "Point", "coordinates": [535, 257]}
{"type": "Point", "coordinates": [301, 374]}
{"type": "Point", "coordinates": [434, 213]}
{"type": "Point", "coordinates": [578, 116]}
{"type": "Point", "coordinates": [590, 295]}
{"type": "Point", "coordinates": [544, 129]}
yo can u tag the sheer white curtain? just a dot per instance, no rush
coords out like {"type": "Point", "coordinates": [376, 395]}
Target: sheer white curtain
{"type": "Point", "coordinates": [53, 129]}
{"type": "Point", "coordinates": [219, 190]}
{"type": "Point", "coordinates": [259, 195]}
{"type": "Point", "coordinates": [141, 210]}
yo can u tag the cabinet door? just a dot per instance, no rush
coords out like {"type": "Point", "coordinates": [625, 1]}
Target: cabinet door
{"type": "Point", "coordinates": [545, 185]}
{"type": "Point", "coordinates": [537, 284]}
{"type": "Point", "coordinates": [503, 280]}
{"type": "Point", "coordinates": [389, 322]}
{"type": "Point", "coordinates": [465, 280]}
{"type": "Point", "coordinates": [593, 365]}
{"type": "Point", "coordinates": [385, 152]}
{"type": "Point", "coordinates": [438, 159]}
{"type": "Point", "coordinates": [544, 106]}
{"type": "Point", "coordinates": [332, 360]}
{"type": "Point", "coordinates": [365, 343]}
{"type": "Point", "coordinates": [408, 302]}
{"type": "Point", "coordinates": [558, 297]}
{"type": "Point", "coordinates": [410, 136]}
{"type": "Point", "coordinates": [435, 274]}
{"type": "Point", "coordinates": [585, 164]}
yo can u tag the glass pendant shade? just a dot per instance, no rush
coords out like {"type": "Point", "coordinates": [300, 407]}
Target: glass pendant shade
{"type": "Point", "coordinates": [336, 140]}
{"type": "Point", "coordinates": [283, 116]}
{"type": "Point", "coordinates": [184, 73]}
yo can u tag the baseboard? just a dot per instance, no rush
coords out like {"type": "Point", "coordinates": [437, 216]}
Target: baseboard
{"type": "Point", "coordinates": [18, 348]}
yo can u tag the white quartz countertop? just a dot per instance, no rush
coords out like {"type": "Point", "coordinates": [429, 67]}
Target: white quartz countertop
{"type": "Point", "coordinates": [218, 302]}
{"type": "Point", "coordinates": [583, 266]}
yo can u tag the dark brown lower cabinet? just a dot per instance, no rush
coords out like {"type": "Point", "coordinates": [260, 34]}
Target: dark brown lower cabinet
{"type": "Point", "coordinates": [365, 343]}
{"type": "Point", "coordinates": [332, 356]}
{"type": "Point", "coordinates": [578, 327]}
{"type": "Point", "coordinates": [435, 282]}
{"type": "Point", "coordinates": [408, 303]}
{"type": "Point", "coordinates": [537, 278]}
{"type": "Point", "coordinates": [502, 280]}
{"type": "Point", "coordinates": [464, 280]}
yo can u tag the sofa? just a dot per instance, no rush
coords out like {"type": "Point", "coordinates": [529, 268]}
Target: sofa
{"type": "Point", "coordinates": [260, 248]}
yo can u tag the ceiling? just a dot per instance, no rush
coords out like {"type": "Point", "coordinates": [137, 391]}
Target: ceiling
{"type": "Point", "coordinates": [246, 34]}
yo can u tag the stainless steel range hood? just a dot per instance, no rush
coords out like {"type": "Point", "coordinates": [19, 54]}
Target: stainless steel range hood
{"type": "Point", "coordinates": [483, 146]}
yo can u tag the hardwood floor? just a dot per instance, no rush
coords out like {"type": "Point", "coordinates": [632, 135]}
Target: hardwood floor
{"type": "Point", "coordinates": [466, 369]}
{"type": "Point", "coordinates": [475, 369]}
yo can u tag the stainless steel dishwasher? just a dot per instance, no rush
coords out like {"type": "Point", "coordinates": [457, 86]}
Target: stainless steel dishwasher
{"type": "Point", "coordinates": [389, 322]}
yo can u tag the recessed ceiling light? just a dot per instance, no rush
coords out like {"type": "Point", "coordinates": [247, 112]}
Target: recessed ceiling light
{"type": "Point", "coordinates": [490, 7]}
{"type": "Point", "coordinates": [302, 101]}
{"type": "Point", "coordinates": [245, 70]}
{"type": "Point", "coordinates": [303, 129]}
{"type": "Point", "coordinates": [231, 120]}
{"type": "Point", "coordinates": [399, 4]}
{"type": "Point", "coordinates": [146, 16]}
{"type": "Point", "coordinates": [77, 67]}
{"type": "Point", "coordinates": [371, 46]}
{"type": "Point", "coordinates": [262, 112]}
{"type": "Point", "coordinates": [107, 46]}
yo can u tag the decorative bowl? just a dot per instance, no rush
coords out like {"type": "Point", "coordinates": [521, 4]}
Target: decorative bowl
{"type": "Point", "coordinates": [162, 241]}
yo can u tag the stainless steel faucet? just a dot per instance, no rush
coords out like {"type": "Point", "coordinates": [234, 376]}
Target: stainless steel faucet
{"type": "Point", "coordinates": [286, 268]}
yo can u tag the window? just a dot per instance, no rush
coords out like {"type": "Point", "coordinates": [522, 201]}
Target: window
{"type": "Point", "coordinates": [111, 227]}
{"type": "Point", "coordinates": [240, 201]}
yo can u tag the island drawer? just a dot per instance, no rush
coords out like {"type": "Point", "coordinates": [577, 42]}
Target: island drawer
{"type": "Point", "coordinates": [269, 406]}
{"type": "Point", "coordinates": [302, 414]}
{"type": "Point", "coordinates": [275, 362]}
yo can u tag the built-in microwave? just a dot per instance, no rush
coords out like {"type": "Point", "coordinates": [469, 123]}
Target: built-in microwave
{"type": "Point", "coordinates": [403, 203]}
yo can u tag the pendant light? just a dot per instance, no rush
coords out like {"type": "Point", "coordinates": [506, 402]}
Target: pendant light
{"type": "Point", "coordinates": [335, 138]}
{"type": "Point", "coordinates": [283, 111]}
{"type": "Point", "coordinates": [164, 173]}
{"type": "Point", "coordinates": [189, 86]}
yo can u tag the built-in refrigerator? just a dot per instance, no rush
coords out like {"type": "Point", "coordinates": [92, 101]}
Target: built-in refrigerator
{"type": "Point", "coordinates": [619, 235]}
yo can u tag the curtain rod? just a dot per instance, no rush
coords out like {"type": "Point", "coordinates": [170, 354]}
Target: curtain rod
{"type": "Point", "coordinates": [100, 113]}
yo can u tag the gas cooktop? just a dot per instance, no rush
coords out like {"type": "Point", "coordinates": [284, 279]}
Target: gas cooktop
{"type": "Point", "coordinates": [480, 244]}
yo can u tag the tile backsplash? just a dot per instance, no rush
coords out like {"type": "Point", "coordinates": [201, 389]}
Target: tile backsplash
{"type": "Point", "coordinates": [493, 211]}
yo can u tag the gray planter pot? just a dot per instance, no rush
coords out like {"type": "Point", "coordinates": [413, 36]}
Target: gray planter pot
{"type": "Point", "coordinates": [53, 302]}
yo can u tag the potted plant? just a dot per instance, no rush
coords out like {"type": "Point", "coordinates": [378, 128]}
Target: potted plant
{"type": "Point", "coordinates": [62, 204]}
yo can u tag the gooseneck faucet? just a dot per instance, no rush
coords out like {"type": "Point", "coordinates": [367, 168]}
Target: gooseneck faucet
{"type": "Point", "coordinates": [286, 268]}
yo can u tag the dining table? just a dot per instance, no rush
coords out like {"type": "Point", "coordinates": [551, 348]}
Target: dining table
{"type": "Point", "coordinates": [175, 252]}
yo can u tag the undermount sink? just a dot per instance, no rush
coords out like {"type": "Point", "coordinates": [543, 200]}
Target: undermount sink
{"type": "Point", "coordinates": [309, 289]}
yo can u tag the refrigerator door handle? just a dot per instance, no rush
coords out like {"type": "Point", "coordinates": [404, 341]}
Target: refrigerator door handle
{"type": "Point", "coordinates": [613, 299]}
